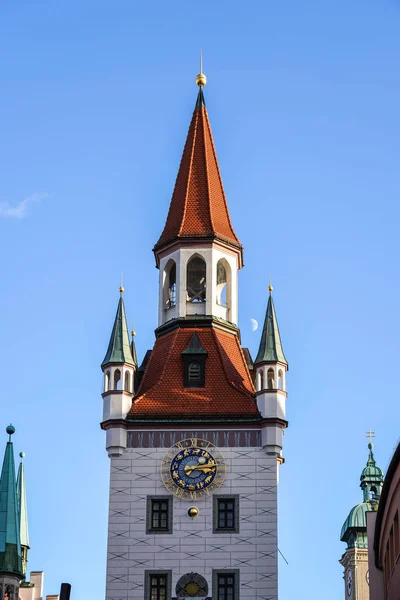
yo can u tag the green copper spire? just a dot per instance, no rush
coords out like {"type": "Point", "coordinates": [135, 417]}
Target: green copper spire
{"type": "Point", "coordinates": [23, 513]}
{"type": "Point", "coordinates": [10, 542]}
{"type": "Point", "coordinates": [270, 349]}
{"type": "Point", "coordinates": [119, 349]}
{"type": "Point", "coordinates": [354, 530]}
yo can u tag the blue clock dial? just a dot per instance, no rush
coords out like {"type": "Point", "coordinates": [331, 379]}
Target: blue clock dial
{"type": "Point", "coordinates": [193, 468]}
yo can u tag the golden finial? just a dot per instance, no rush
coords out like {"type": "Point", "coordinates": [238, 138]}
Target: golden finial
{"type": "Point", "coordinates": [201, 79]}
{"type": "Point", "coordinates": [121, 289]}
{"type": "Point", "coordinates": [270, 288]}
{"type": "Point", "coordinates": [133, 332]}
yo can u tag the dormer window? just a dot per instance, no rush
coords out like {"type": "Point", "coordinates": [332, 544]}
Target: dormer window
{"type": "Point", "coordinates": [194, 363]}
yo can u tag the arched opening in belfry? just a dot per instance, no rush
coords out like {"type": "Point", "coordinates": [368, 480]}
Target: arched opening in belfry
{"type": "Point", "coordinates": [196, 279]}
{"type": "Point", "coordinates": [223, 283]}
{"type": "Point", "coordinates": [170, 284]}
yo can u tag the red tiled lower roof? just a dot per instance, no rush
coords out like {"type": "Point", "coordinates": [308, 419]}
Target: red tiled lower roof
{"type": "Point", "coordinates": [228, 390]}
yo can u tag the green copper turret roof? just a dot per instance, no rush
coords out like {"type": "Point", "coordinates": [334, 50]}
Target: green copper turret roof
{"type": "Point", "coordinates": [371, 477]}
{"type": "Point", "coordinates": [10, 541]}
{"type": "Point", "coordinates": [354, 530]}
{"type": "Point", "coordinates": [22, 506]}
{"type": "Point", "coordinates": [119, 348]}
{"type": "Point", "coordinates": [270, 345]}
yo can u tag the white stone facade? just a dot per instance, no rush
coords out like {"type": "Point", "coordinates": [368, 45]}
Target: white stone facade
{"type": "Point", "coordinates": [193, 547]}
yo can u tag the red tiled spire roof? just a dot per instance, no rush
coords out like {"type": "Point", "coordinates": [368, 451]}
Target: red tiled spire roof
{"type": "Point", "coordinates": [198, 207]}
{"type": "Point", "coordinates": [228, 391]}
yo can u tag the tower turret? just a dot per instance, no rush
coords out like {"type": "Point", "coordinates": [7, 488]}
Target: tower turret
{"type": "Point", "coordinates": [119, 367]}
{"type": "Point", "coordinates": [354, 531]}
{"type": "Point", "coordinates": [270, 368]}
{"type": "Point", "coordinates": [11, 571]}
{"type": "Point", "coordinates": [23, 513]}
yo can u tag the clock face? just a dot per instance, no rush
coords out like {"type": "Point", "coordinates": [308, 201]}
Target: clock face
{"type": "Point", "coordinates": [349, 583]}
{"type": "Point", "coordinates": [193, 468]}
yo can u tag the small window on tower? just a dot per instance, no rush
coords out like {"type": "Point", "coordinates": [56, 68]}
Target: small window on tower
{"type": "Point", "coordinates": [226, 514]}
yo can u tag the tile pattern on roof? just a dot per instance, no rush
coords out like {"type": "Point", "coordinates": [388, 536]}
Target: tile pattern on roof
{"type": "Point", "coordinates": [198, 207]}
{"type": "Point", "coordinates": [228, 390]}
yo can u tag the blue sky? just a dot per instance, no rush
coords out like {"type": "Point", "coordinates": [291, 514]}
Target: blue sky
{"type": "Point", "coordinates": [96, 99]}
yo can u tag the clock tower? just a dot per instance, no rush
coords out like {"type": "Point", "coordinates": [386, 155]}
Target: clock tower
{"type": "Point", "coordinates": [354, 532]}
{"type": "Point", "coordinates": [194, 434]}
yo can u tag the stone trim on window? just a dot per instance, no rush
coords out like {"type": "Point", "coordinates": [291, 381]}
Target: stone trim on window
{"type": "Point", "coordinates": [236, 527]}
{"type": "Point", "coordinates": [236, 575]}
{"type": "Point", "coordinates": [149, 513]}
{"type": "Point", "coordinates": [147, 589]}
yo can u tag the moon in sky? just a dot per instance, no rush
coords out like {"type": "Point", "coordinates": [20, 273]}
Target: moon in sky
{"type": "Point", "coordinates": [254, 324]}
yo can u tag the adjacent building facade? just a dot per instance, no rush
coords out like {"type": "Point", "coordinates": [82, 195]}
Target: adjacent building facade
{"type": "Point", "coordinates": [194, 434]}
{"type": "Point", "coordinates": [384, 537]}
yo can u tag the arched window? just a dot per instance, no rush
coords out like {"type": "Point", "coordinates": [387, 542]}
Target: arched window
{"type": "Point", "coordinates": [280, 380]}
{"type": "Point", "coordinates": [117, 379]}
{"type": "Point", "coordinates": [127, 386]}
{"type": "Point", "coordinates": [170, 284]}
{"type": "Point", "coordinates": [196, 280]}
{"type": "Point", "coordinates": [260, 380]}
{"type": "Point", "coordinates": [271, 379]}
{"type": "Point", "coordinates": [106, 381]}
{"type": "Point", "coordinates": [372, 493]}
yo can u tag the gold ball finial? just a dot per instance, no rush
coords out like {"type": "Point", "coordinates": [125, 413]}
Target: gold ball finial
{"type": "Point", "coordinates": [133, 333]}
{"type": "Point", "coordinates": [121, 289]}
{"type": "Point", "coordinates": [201, 80]}
{"type": "Point", "coordinates": [270, 288]}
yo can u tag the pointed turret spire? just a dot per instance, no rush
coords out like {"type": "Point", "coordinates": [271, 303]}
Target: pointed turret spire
{"type": "Point", "coordinates": [10, 541]}
{"type": "Point", "coordinates": [270, 349]}
{"type": "Point", "coordinates": [119, 348]}
{"type": "Point", "coordinates": [198, 208]}
{"type": "Point", "coordinates": [23, 513]}
{"type": "Point", "coordinates": [371, 477]}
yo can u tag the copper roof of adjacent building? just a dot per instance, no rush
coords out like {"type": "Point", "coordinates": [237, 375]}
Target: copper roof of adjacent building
{"type": "Point", "coordinates": [198, 207]}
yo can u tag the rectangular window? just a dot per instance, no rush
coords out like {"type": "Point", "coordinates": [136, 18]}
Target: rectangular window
{"type": "Point", "coordinates": [157, 585]}
{"type": "Point", "coordinates": [159, 514]}
{"type": "Point", "coordinates": [226, 584]}
{"type": "Point", "coordinates": [226, 514]}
